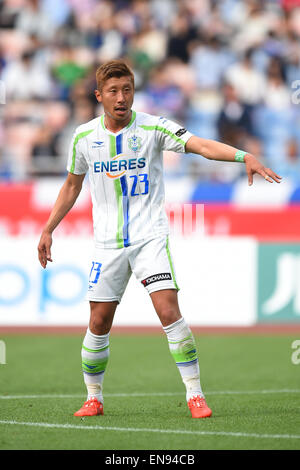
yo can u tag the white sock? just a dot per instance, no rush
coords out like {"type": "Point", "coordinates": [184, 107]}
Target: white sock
{"type": "Point", "coordinates": [183, 349]}
{"type": "Point", "coordinates": [94, 354]}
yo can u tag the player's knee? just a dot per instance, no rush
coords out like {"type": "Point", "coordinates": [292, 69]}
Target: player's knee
{"type": "Point", "coordinates": [99, 326]}
{"type": "Point", "coordinates": [101, 319]}
{"type": "Point", "coordinates": [169, 315]}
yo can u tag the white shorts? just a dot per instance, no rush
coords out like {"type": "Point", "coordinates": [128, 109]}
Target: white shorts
{"type": "Point", "coordinates": [150, 261]}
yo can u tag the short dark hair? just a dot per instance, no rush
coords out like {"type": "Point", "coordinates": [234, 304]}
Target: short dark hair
{"type": "Point", "coordinates": [113, 68]}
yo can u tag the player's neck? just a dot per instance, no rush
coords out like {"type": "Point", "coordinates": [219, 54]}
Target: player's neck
{"type": "Point", "coordinates": [114, 125]}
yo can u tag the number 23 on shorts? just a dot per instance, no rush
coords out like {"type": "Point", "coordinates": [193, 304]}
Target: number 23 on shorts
{"type": "Point", "coordinates": [95, 272]}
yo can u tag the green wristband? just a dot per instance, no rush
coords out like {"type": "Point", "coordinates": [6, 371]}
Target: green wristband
{"type": "Point", "coordinates": [240, 156]}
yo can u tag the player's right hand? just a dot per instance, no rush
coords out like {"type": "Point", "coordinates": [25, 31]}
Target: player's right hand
{"type": "Point", "coordinates": [44, 249]}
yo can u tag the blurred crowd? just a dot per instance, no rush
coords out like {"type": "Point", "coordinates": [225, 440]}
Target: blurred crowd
{"type": "Point", "coordinates": [225, 69]}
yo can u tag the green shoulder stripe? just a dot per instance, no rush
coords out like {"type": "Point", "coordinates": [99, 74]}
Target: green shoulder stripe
{"type": "Point", "coordinates": [133, 116]}
{"type": "Point", "coordinates": [77, 138]}
{"type": "Point", "coordinates": [102, 122]}
{"type": "Point", "coordinates": [165, 131]}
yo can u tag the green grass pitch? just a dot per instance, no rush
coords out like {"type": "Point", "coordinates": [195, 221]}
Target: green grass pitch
{"type": "Point", "coordinates": [250, 383]}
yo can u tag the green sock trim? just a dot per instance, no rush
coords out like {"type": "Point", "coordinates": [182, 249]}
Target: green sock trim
{"type": "Point", "coordinates": [185, 339]}
{"type": "Point", "coordinates": [95, 350]}
{"type": "Point", "coordinates": [94, 366]}
{"type": "Point", "coordinates": [188, 356]}
{"type": "Point", "coordinates": [185, 352]}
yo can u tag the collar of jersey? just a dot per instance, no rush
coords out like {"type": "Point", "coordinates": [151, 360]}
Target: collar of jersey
{"type": "Point", "coordinates": [121, 130]}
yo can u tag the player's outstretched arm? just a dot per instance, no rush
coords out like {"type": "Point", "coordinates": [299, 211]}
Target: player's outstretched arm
{"type": "Point", "coordinates": [214, 150]}
{"type": "Point", "coordinates": [64, 202]}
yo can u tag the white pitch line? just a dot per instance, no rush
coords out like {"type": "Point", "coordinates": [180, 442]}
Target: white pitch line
{"type": "Point", "coordinates": [251, 392]}
{"type": "Point", "coordinates": [154, 394]}
{"type": "Point", "coordinates": [161, 431]}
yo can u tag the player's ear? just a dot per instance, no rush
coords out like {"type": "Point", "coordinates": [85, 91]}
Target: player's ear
{"type": "Point", "coordinates": [98, 96]}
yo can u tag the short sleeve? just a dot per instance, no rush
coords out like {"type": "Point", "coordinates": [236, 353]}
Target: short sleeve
{"type": "Point", "coordinates": [171, 136]}
{"type": "Point", "coordinates": [77, 164]}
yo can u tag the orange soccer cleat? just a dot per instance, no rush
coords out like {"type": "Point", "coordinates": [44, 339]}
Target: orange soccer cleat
{"type": "Point", "coordinates": [198, 407]}
{"type": "Point", "coordinates": [91, 407]}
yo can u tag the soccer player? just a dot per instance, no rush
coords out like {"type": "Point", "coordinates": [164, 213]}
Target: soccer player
{"type": "Point", "coordinates": [122, 151]}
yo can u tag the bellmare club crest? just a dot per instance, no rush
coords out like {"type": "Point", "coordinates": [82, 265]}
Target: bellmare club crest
{"type": "Point", "coordinates": [135, 143]}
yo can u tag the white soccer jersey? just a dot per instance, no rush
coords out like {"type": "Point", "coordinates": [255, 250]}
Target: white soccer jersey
{"type": "Point", "coordinates": [126, 176]}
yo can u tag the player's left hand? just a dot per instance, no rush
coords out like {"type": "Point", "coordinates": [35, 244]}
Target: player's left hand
{"type": "Point", "coordinates": [254, 166]}
{"type": "Point", "coordinates": [44, 249]}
